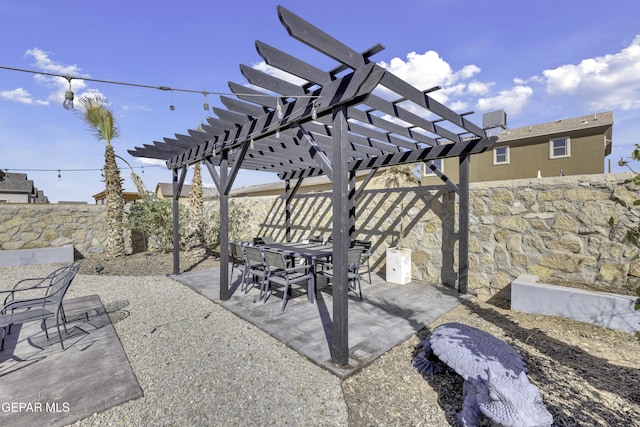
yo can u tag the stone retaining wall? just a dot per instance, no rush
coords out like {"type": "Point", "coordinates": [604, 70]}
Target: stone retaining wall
{"type": "Point", "coordinates": [556, 228]}
{"type": "Point", "coordinates": [28, 226]}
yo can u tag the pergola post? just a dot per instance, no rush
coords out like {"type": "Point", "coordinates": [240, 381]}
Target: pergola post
{"type": "Point", "coordinates": [352, 206]}
{"type": "Point", "coordinates": [341, 207]}
{"type": "Point", "coordinates": [463, 225]}
{"type": "Point", "coordinates": [224, 228]}
{"type": "Point", "coordinates": [176, 189]}
{"type": "Point", "coordinates": [176, 221]}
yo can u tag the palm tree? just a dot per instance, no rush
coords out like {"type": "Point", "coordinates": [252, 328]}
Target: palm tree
{"type": "Point", "coordinates": [99, 117]}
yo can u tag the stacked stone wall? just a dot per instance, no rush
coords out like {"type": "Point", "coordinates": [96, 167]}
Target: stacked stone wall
{"type": "Point", "coordinates": [29, 226]}
{"type": "Point", "coordinates": [556, 228]}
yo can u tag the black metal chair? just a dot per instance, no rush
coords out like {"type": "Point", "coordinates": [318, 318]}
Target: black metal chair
{"type": "Point", "coordinates": [280, 273]}
{"type": "Point", "coordinates": [41, 299]}
{"type": "Point", "coordinates": [366, 255]}
{"type": "Point", "coordinates": [255, 267]}
{"type": "Point", "coordinates": [237, 258]}
{"type": "Point", "coordinates": [354, 255]}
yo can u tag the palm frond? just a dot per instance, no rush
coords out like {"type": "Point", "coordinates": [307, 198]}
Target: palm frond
{"type": "Point", "coordinates": [97, 115]}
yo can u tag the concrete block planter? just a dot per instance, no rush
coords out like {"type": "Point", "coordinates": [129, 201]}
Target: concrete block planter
{"type": "Point", "coordinates": [599, 308]}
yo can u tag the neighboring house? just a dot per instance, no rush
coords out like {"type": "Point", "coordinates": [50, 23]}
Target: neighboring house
{"type": "Point", "coordinates": [316, 184]}
{"type": "Point", "coordinates": [574, 146]}
{"type": "Point", "coordinates": [16, 188]}
{"type": "Point", "coordinates": [164, 190]}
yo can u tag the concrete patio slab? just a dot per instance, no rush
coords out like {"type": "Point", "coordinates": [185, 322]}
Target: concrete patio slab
{"type": "Point", "coordinates": [387, 315]}
{"type": "Point", "coordinates": [42, 385]}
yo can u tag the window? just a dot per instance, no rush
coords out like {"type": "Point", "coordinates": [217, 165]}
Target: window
{"type": "Point", "coordinates": [427, 171]}
{"type": "Point", "coordinates": [501, 156]}
{"type": "Point", "coordinates": [559, 147]}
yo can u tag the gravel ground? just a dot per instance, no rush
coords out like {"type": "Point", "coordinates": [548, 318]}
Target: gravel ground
{"type": "Point", "coordinates": [201, 365]}
{"type": "Point", "coordinates": [198, 364]}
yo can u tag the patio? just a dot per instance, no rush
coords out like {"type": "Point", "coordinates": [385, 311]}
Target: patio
{"type": "Point", "coordinates": [40, 384]}
{"type": "Point", "coordinates": [387, 315]}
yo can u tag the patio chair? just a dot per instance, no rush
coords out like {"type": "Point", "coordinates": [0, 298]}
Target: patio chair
{"type": "Point", "coordinates": [255, 267]}
{"type": "Point", "coordinates": [366, 255]}
{"type": "Point", "coordinates": [265, 240]}
{"type": "Point", "coordinates": [236, 253]}
{"type": "Point", "coordinates": [42, 300]}
{"type": "Point", "coordinates": [282, 274]}
{"type": "Point", "coordinates": [316, 239]}
{"type": "Point", "coordinates": [354, 255]}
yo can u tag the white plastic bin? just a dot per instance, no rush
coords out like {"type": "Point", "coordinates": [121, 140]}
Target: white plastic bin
{"type": "Point", "coordinates": [398, 266]}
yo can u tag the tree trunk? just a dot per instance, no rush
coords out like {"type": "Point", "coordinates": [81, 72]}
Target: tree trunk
{"type": "Point", "coordinates": [114, 245]}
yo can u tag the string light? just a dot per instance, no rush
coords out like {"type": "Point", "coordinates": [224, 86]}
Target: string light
{"type": "Point", "coordinates": [206, 104]}
{"type": "Point", "coordinates": [69, 93]}
{"type": "Point", "coordinates": [59, 175]}
{"type": "Point", "coordinates": [68, 97]}
{"type": "Point", "coordinates": [73, 170]}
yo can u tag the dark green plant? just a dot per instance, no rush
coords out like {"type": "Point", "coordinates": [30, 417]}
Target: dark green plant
{"type": "Point", "coordinates": [238, 219]}
{"type": "Point", "coordinates": [154, 218]}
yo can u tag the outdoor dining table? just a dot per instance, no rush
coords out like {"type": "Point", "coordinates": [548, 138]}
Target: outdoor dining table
{"type": "Point", "coordinates": [308, 251]}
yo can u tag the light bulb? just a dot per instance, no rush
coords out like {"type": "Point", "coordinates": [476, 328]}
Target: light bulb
{"type": "Point", "coordinates": [279, 112]}
{"type": "Point", "coordinates": [68, 100]}
{"type": "Point", "coordinates": [314, 112]}
{"type": "Point", "coordinates": [251, 145]}
{"type": "Point", "coordinates": [278, 133]}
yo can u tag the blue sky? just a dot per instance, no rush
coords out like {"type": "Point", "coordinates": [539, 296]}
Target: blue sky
{"type": "Point", "coordinates": [540, 61]}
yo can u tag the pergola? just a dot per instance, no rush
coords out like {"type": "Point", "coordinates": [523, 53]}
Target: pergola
{"type": "Point", "coordinates": [356, 116]}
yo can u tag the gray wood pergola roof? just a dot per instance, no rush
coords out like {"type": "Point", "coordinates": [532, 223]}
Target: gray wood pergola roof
{"type": "Point", "coordinates": [355, 116]}
{"type": "Point", "coordinates": [398, 124]}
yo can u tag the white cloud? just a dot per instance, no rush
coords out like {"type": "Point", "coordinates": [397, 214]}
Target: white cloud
{"type": "Point", "coordinates": [604, 82]}
{"type": "Point", "coordinates": [512, 100]}
{"type": "Point", "coordinates": [45, 63]}
{"type": "Point", "coordinates": [21, 96]}
{"type": "Point", "coordinates": [479, 88]}
{"type": "Point", "coordinates": [152, 162]}
{"type": "Point", "coordinates": [428, 70]}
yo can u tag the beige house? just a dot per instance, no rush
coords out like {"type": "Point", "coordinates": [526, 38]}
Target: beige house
{"type": "Point", "coordinates": [574, 146]}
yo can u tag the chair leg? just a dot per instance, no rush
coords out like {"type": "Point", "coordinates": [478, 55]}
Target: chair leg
{"type": "Point", "coordinates": [369, 270]}
{"type": "Point", "coordinates": [285, 296]}
{"type": "Point", "coordinates": [44, 326]}
{"type": "Point", "coordinates": [60, 333]}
